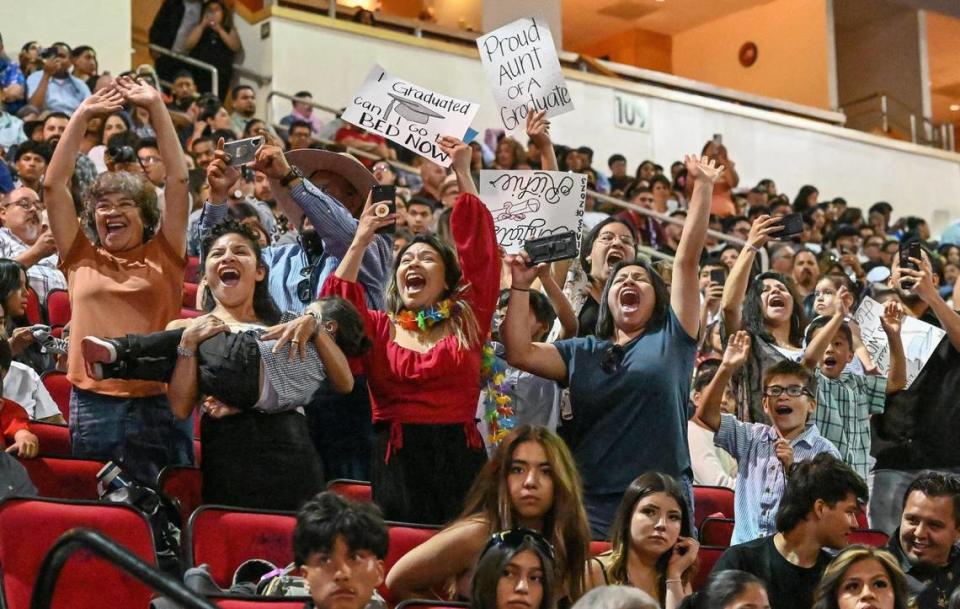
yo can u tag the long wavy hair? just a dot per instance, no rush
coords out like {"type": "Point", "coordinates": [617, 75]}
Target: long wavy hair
{"type": "Point", "coordinates": [825, 596]}
{"type": "Point", "coordinates": [465, 324]}
{"type": "Point", "coordinates": [661, 305]}
{"type": "Point", "coordinates": [620, 541]}
{"type": "Point", "coordinates": [753, 321]}
{"type": "Point", "coordinates": [11, 279]}
{"type": "Point", "coordinates": [564, 525]}
{"type": "Point", "coordinates": [264, 307]}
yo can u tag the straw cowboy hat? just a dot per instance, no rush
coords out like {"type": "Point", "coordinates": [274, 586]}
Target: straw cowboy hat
{"type": "Point", "coordinates": [310, 161]}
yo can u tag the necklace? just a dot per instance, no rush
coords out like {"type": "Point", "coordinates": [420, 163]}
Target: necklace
{"type": "Point", "coordinates": [426, 319]}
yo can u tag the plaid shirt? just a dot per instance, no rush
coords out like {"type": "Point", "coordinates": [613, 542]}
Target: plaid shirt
{"type": "Point", "coordinates": [844, 406]}
{"type": "Point", "coordinates": [760, 478]}
{"type": "Point", "coordinates": [42, 276]}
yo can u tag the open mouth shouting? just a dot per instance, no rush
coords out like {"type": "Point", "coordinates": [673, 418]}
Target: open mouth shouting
{"type": "Point", "coordinates": [783, 410]}
{"type": "Point", "coordinates": [629, 299]}
{"type": "Point", "coordinates": [229, 276]}
{"type": "Point", "coordinates": [414, 282]}
{"type": "Point", "coordinates": [115, 226]}
{"type": "Point", "coordinates": [614, 255]}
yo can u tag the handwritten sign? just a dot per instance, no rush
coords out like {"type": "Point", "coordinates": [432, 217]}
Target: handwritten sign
{"type": "Point", "coordinates": [531, 204]}
{"type": "Point", "coordinates": [522, 66]}
{"type": "Point", "coordinates": [920, 339]}
{"type": "Point", "coordinates": [631, 112]}
{"type": "Point", "coordinates": [410, 115]}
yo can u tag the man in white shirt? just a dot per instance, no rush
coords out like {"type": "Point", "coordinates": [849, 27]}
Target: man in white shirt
{"type": "Point", "coordinates": [23, 385]}
{"type": "Point", "coordinates": [27, 240]}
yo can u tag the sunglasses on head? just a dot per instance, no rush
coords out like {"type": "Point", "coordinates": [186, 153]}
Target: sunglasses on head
{"type": "Point", "coordinates": [611, 359]}
{"type": "Point", "coordinates": [516, 538]}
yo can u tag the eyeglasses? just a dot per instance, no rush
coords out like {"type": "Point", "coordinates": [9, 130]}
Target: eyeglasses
{"type": "Point", "coordinates": [109, 208]}
{"type": "Point", "coordinates": [517, 538]}
{"type": "Point", "coordinates": [150, 160]}
{"type": "Point", "coordinates": [794, 391]}
{"type": "Point", "coordinates": [609, 237]}
{"type": "Point", "coordinates": [611, 359]}
{"type": "Point", "coordinates": [25, 204]}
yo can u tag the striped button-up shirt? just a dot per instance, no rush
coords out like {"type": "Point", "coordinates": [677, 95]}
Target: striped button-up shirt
{"type": "Point", "coordinates": [844, 406]}
{"type": "Point", "coordinates": [761, 480]}
{"type": "Point", "coordinates": [43, 276]}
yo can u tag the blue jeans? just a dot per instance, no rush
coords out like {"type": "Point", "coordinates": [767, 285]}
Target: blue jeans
{"type": "Point", "coordinates": [140, 433]}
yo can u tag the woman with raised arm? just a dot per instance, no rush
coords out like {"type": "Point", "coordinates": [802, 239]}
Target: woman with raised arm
{"type": "Point", "coordinates": [629, 384]}
{"type": "Point", "coordinates": [424, 370]}
{"type": "Point", "coordinates": [769, 309]}
{"type": "Point", "coordinates": [125, 277]}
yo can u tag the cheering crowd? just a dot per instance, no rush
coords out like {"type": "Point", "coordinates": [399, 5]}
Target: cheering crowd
{"type": "Point", "coordinates": [529, 408]}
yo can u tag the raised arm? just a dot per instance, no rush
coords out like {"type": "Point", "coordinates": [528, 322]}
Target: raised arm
{"type": "Point", "coordinates": [734, 357]}
{"type": "Point", "coordinates": [735, 290]}
{"type": "Point", "coordinates": [461, 155]}
{"type": "Point", "coordinates": [561, 305]}
{"type": "Point", "coordinates": [367, 227]}
{"type": "Point", "coordinates": [334, 361]}
{"type": "Point", "coordinates": [822, 339]}
{"type": "Point", "coordinates": [56, 182]}
{"type": "Point", "coordinates": [538, 130]}
{"type": "Point", "coordinates": [182, 391]}
{"type": "Point", "coordinates": [891, 321]}
{"type": "Point", "coordinates": [541, 359]}
{"type": "Point", "coordinates": [924, 288]}
{"type": "Point", "coordinates": [176, 192]}
{"type": "Point", "coordinates": [685, 291]}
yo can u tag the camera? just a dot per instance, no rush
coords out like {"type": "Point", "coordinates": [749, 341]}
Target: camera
{"type": "Point", "coordinates": [48, 53]}
{"type": "Point", "coordinates": [123, 154]}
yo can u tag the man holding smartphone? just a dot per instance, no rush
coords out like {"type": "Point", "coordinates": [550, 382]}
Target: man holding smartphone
{"type": "Point", "coordinates": [53, 88]}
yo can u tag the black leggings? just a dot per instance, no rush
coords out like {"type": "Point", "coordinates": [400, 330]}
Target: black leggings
{"type": "Point", "coordinates": [228, 363]}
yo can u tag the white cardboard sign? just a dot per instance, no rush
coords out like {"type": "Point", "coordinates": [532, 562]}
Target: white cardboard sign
{"type": "Point", "coordinates": [920, 339]}
{"type": "Point", "coordinates": [524, 72]}
{"type": "Point", "coordinates": [530, 204]}
{"type": "Point", "coordinates": [410, 115]}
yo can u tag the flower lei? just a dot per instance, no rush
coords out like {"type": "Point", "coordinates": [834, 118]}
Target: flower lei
{"type": "Point", "coordinates": [497, 410]}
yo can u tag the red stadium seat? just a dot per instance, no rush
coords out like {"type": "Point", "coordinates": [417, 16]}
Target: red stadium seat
{"type": "Point", "coordinates": [58, 308]}
{"type": "Point", "coordinates": [64, 477]}
{"type": "Point", "coordinates": [189, 295]}
{"type": "Point", "coordinates": [403, 538]}
{"type": "Point", "coordinates": [34, 314]}
{"type": "Point", "coordinates": [54, 438]}
{"type": "Point", "coordinates": [355, 490]}
{"type": "Point", "coordinates": [183, 484]}
{"type": "Point", "coordinates": [418, 604]}
{"type": "Point", "coordinates": [29, 527]}
{"type": "Point", "coordinates": [191, 273]}
{"type": "Point", "coordinates": [869, 537]}
{"type": "Point", "coordinates": [716, 531]}
{"type": "Point", "coordinates": [223, 538]}
{"type": "Point", "coordinates": [708, 557]}
{"type": "Point", "coordinates": [257, 603]}
{"type": "Point", "coordinates": [598, 547]}
{"type": "Point", "coordinates": [862, 520]}
{"type": "Point", "coordinates": [710, 501]}
{"type": "Point", "coordinates": [59, 387]}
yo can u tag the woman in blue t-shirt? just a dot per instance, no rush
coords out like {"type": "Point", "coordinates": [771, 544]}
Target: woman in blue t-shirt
{"type": "Point", "coordinates": [629, 384]}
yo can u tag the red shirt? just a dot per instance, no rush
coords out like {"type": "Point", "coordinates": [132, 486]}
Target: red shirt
{"type": "Point", "coordinates": [350, 132]}
{"type": "Point", "coordinates": [441, 386]}
{"type": "Point", "coordinates": [13, 418]}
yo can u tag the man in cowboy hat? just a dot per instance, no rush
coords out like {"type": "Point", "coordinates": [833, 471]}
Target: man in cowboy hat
{"type": "Point", "coordinates": [321, 193]}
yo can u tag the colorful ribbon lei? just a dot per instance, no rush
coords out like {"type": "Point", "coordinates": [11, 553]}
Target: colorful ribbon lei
{"type": "Point", "coordinates": [497, 409]}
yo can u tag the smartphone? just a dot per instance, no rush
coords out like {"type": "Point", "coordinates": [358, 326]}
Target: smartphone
{"type": "Point", "coordinates": [907, 251]}
{"type": "Point", "coordinates": [48, 53]}
{"type": "Point", "coordinates": [383, 194]}
{"type": "Point", "coordinates": [552, 248]}
{"type": "Point", "coordinates": [718, 276]}
{"type": "Point", "coordinates": [792, 226]}
{"type": "Point", "coordinates": [242, 152]}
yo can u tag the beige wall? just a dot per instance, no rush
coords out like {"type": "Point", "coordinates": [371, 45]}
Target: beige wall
{"type": "Point", "coordinates": [794, 51]}
{"type": "Point", "coordinates": [636, 47]}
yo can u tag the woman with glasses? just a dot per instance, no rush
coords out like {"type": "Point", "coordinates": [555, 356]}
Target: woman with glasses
{"type": "Point", "coordinates": [651, 544]}
{"type": "Point", "coordinates": [126, 277]}
{"type": "Point", "coordinates": [629, 384]}
{"type": "Point", "coordinates": [516, 569]}
{"type": "Point", "coordinates": [769, 309]}
{"type": "Point", "coordinates": [530, 481]}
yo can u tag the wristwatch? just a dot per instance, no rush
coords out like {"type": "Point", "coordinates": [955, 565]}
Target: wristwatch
{"type": "Point", "coordinates": [292, 175]}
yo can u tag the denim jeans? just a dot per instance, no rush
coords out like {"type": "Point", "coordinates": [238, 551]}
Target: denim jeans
{"type": "Point", "coordinates": [139, 433]}
{"type": "Point", "coordinates": [886, 497]}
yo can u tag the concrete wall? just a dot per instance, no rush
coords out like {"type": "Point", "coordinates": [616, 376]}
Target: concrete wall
{"type": "Point", "coordinates": [102, 24]}
{"type": "Point", "coordinates": [792, 151]}
{"type": "Point", "coordinates": [794, 56]}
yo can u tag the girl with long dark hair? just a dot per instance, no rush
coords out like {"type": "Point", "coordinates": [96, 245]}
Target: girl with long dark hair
{"type": "Point", "coordinates": [516, 569]}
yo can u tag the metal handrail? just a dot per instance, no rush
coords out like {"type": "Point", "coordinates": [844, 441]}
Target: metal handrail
{"type": "Point", "coordinates": [214, 74]}
{"type": "Point", "coordinates": [120, 557]}
{"type": "Point", "coordinates": [283, 95]}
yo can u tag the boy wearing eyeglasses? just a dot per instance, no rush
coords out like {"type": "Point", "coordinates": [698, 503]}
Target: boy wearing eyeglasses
{"type": "Point", "coordinates": [764, 453]}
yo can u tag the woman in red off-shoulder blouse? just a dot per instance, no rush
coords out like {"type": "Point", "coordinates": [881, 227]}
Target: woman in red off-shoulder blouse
{"type": "Point", "coordinates": [424, 376]}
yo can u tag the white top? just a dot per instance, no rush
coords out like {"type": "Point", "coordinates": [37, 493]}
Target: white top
{"type": "Point", "coordinates": [23, 386]}
{"type": "Point", "coordinates": [712, 466]}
